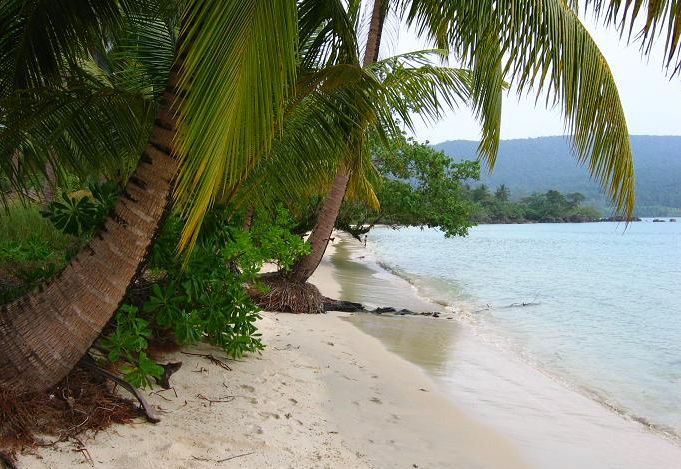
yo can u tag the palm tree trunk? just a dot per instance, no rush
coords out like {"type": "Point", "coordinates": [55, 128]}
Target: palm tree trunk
{"type": "Point", "coordinates": [50, 185]}
{"type": "Point", "coordinates": [248, 219]}
{"type": "Point", "coordinates": [321, 233]}
{"type": "Point", "coordinates": [375, 32]}
{"type": "Point", "coordinates": [45, 333]}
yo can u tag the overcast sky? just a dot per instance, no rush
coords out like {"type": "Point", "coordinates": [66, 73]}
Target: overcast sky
{"type": "Point", "coordinates": [652, 102]}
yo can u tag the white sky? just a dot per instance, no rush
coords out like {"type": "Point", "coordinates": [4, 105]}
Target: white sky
{"type": "Point", "coordinates": [652, 102]}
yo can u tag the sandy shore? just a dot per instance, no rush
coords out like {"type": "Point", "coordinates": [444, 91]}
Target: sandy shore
{"type": "Point", "coordinates": [322, 394]}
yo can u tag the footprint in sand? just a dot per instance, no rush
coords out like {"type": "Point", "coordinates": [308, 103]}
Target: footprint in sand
{"type": "Point", "coordinates": [248, 388]}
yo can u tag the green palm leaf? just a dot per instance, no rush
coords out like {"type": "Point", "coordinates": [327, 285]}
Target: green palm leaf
{"type": "Point", "coordinates": [238, 69]}
{"type": "Point", "coordinates": [542, 47]}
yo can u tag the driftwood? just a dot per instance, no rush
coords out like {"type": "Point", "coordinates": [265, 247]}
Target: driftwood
{"type": "Point", "coordinates": [149, 411]}
{"type": "Point", "coordinates": [350, 307]}
{"type": "Point", "coordinates": [168, 370]}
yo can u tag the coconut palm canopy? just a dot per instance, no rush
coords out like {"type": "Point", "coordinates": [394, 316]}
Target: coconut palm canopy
{"type": "Point", "coordinates": [220, 142]}
{"type": "Point", "coordinates": [238, 69]}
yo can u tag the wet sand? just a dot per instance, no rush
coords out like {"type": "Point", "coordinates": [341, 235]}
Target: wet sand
{"type": "Point", "coordinates": [551, 425]}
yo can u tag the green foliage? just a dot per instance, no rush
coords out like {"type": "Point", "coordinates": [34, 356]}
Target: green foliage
{"type": "Point", "coordinates": [141, 373]}
{"type": "Point", "coordinates": [275, 239]}
{"type": "Point", "coordinates": [420, 187]}
{"type": "Point", "coordinates": [129, 336]}
{"type": "Point", "coordinates": [73, 215]}
{"type": "Point", "coordinates": [549, 206]}
{"type": "Point", "coordinates": [204, 297]}
{"type": "Point", "coordinates": [31, 250]}
{"type": "Point", "coordinates": [82, 214]}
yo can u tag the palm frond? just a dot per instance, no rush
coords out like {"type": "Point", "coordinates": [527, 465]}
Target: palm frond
{"type": "Point", "coordinates": [658, 18]}
{"type": "Point", "coordinates": [327, 35]}
{"type": "Point", "coordinates": [41, 39]}
{"type": "Point", "coordinates": [238, 68]}
{"type": "Point", "coordinates": [88, 127]}
{"type": "Point", "coordinates": [542, 47]}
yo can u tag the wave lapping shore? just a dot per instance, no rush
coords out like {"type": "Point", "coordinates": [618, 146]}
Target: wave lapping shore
{"type": "Point", "coordinates": [551, 423]}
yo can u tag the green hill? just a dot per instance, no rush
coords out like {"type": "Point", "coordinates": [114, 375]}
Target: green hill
{"type": "Point", "coordinates": [539, 164]}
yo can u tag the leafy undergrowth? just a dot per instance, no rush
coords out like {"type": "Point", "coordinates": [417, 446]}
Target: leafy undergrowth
{"type": "Point", "coordinates": [177, 301]}
{"type": "Point", "coordinates": [31, 250]}
{"type": "Point", "coordinates": [200, 298]}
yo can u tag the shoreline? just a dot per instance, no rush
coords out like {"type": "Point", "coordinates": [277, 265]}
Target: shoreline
{"type": "Point", "coordinates": [463, 312]}
{"type": "Point", "coordinates": [511, 394]}
{"type": "Point", "coordinates": [322, 394]}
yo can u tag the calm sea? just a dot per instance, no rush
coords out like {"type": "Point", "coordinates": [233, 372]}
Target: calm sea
{"type": "Point", "coordinates": [596, 306]}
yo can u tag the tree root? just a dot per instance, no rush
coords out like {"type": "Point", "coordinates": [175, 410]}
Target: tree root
{"type": "Point", "coordinates": [149, 411]}
{"type": "Point", "coordinates": [168, 370]}
{"type": "Point", "coordinates": [288, 296]}
{"type": "Point", "coordinates": [80, 402]}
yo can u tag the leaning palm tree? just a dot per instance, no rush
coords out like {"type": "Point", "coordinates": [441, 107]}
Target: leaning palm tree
{"type": "Point", "coordinates": [224, 103]}
{"type": "Point", "coordinates": [44, 334]}
{"type": "Point", "coordinates": [456, 26]}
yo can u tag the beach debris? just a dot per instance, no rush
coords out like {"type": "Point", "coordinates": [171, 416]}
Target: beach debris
{"type": "Point", "coordinates": [351, 307]}
{"type": "Point", "coordinates": [82, 402]}
{"type": "Point", "coordinates": [148, 410]}
{"type": "Point", "coordinates": [218, 461]}
{"type": "Point", "coordinates": [220, 400]}
{"type": "Point", "coordinates": [214, 360]}
{"type": "Point", "coordinates": [168, 370]}
{"type": "Point", "coordinates": [343, 306]}
{"type": "Point", "coordinates": [523, 304]}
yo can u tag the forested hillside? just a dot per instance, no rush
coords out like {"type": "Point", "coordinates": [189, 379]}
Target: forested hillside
{"type": "Point", "coordinates": [533, 165]}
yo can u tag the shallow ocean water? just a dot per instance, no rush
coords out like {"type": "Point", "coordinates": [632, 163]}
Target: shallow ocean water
{"type": "Point", "coordinates": [595, 306]}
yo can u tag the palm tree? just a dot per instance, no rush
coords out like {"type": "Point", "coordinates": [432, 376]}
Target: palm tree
{"type": "Point", "coordinates": [44, 334]}
{"type": "Point", "coordinates": [321, 233]}
{"type": "Point", "coordinates": [428, 16]}
{"type": "Point", "coordinates": [218, 116]}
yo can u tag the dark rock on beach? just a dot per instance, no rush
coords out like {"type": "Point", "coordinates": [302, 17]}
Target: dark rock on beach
{"type": "Point", "coordinates": [343, 306]}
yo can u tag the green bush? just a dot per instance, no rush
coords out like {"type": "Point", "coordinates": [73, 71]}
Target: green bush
{"type": "Point", "coordinates": [203, 297]}
{"type": "Point", "coordinates": [81, 215]}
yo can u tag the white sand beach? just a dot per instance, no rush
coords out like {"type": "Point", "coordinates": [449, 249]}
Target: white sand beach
{"type": "Point", "coordinates": [325, 394]}
{"type": "Point", "coordinates": [322, 394]}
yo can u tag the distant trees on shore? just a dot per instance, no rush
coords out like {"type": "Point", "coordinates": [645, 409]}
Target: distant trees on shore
{"type": "Point", "coordinates": [551, 206]}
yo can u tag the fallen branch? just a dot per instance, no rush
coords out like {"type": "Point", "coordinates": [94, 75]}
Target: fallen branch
{"type": "Point", "coordinates": [218, 461]}
{"type": "Point", "coordinates": [213, 360]}
{"type": "Point", "coordinates": [235, 456]}
{"type": "Point", "coordinates": [149, 411]}
{"type": "Point", "coordinates": [221, 400]}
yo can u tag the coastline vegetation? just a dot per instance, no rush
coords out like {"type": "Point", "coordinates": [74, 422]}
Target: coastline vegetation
{"type": "Point", "coordinates": [549, 207]}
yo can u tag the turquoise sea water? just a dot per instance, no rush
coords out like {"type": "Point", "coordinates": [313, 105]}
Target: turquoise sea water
{"type": "Point", "coordinates": [603, 311]}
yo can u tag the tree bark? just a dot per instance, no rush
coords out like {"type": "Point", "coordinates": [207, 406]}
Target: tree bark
{"type": "Point", "coordinates": [248, 218]}
{"type": "Point", "coordinates": [375, 32]}
{"type": "Point", "coordinates": [50, 185]}
{"type": "Point", "coordinates": [321, 233]}
{"type": "Point", "coordinates": [45, 333]}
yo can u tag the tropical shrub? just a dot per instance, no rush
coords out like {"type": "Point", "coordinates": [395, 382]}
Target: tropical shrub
{"type": "Point", "coordinates": [204, 296]}
{"type": "Point", "coordinates": [81, 213]}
